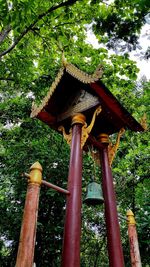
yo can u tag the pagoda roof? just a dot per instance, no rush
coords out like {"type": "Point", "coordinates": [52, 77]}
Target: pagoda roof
{"type": "Point", "coordinates": [74, 91]}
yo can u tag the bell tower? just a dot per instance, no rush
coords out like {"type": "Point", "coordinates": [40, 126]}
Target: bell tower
{"type": "Point", "coordinates": [81, 108]}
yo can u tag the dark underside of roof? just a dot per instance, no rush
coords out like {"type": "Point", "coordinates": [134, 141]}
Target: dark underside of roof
{"type": "Point", "coordinates": [112, 118]}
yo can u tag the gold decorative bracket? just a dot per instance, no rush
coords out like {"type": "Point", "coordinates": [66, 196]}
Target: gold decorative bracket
{"type": "Point", "coordinates": [67, 137]}
{"type": "Point", "coordinates": [85, 129]}
{"type": "Point", "coordinates": [112, 149]}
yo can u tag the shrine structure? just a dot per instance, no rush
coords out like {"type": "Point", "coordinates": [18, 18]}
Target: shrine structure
{"type": "Point", "coordinates": [82, 108]}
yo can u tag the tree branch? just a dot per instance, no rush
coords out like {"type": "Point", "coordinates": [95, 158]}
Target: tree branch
{"type": "Point", "coordinates": [27, 29]}
{"type": "Point", "coordinates": [4, 33]}
{"type": "Point", "coordinates": [7, 79]}
{"type": "Point", "coordinates": [66, 23]}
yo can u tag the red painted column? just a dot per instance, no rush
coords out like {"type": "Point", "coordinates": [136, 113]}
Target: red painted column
{"type": "Point", "coordinates": [72, 229]}
{"type": "Point", "coordinates": [133, 240]}
{"type": "Point", "coordinates": [25, 256]}
{"type": "Point", "coordinates": [112, 224]}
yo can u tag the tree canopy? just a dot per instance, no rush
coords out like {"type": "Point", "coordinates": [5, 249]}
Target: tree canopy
{"type": "Point", "coordinates": [33, 36]}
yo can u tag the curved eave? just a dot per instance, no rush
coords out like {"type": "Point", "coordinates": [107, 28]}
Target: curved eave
{"type": "Point", "coordinates": [110, 102]}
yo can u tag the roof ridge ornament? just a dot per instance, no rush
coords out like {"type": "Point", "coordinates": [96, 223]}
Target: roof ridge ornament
{"type": "Point", "coordinates": [64, 60]}
{"type": "Point", "coordinates": [79, 74]}
{"type": "Point", "coordinates": [83, 76]}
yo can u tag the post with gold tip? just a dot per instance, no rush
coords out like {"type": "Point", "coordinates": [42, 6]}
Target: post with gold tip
{"type": "Point", "coordinates": [133, 240]}
{"type": "Point", "coordinates": [72, 228]}
{"type": "Point", "coordinates": [115, 250]}
{"type": "Point", "coordinates": [25, 256]}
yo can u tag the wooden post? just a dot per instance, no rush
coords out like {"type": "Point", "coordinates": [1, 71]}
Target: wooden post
{"type": "Point", "coordinates": [25, 256]}
{"type": "Point", "coordinates": [133, 240]}
{"type": "Point", "coordinates": [72, 229]}
{"type": "Point", "coordinates": [115, 251]}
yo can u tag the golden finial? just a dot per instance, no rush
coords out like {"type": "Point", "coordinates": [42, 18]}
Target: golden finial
{"type": "Point", "coordinates": [64, 60]}
{"type": "Point", "coordinates": [35, 173]}
{"type": "Point", "coordinates": [130, 217]}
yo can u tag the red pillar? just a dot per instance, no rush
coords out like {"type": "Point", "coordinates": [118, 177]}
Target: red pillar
{"type": "Point", "coordinates": [133, 240]}
{"type": "Point", "coordinates": [72, 229]}
{"type": "Point", "coordinates": [25, 256]}
{"type": "Point", "coordinates": [112, 224]}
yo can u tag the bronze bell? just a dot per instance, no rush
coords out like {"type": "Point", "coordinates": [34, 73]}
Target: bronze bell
{"type": "Point", "coordinates": [94, 194]}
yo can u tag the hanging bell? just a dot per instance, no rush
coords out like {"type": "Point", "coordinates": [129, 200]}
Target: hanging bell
{"type": "Point", "coordinates": [94, 194]}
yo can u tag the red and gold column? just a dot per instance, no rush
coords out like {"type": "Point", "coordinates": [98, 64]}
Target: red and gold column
{"type": "Point", "coordinates": [115, 251]}
{"type": "Point", "coordinates": [133, 240]}
{"type": "Point", "coordinates": [25, 256]}
{"type": "Point", "coordinates": [72, 229]}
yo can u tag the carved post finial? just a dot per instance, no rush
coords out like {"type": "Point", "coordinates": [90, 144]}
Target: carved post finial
{"type": "Point", "coordinates": [130, 217]}
{"type": "Point", "coordinates": [103, 138]}
{"type": "Point", "coordinates": [80, 118]}
{"type": "Point", "coordinates": [35, 175]}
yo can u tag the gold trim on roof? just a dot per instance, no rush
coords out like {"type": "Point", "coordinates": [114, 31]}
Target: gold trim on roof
{"type": "Point", "coordinates": [82, 76]}
{"type": "Point", "coordinates": [35, 109]}
{"type": "Point", "coordinates": [73, 71]}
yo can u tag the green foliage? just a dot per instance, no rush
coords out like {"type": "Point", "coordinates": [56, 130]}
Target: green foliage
{"type": "Point", "coordinates": [33, 35]}
{"type": "Point", "coordinates": [125, 19]}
